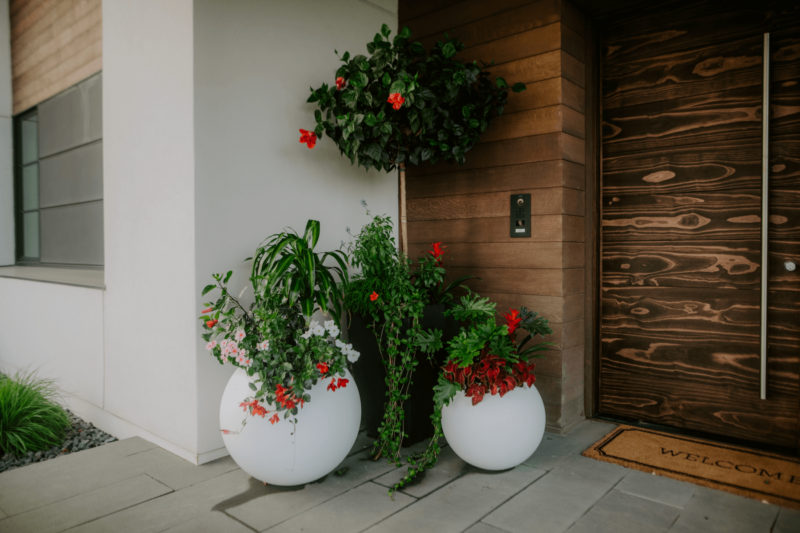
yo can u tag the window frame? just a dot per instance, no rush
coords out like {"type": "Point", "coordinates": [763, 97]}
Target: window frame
{"type": "Point", "coordinates": [19, 207]}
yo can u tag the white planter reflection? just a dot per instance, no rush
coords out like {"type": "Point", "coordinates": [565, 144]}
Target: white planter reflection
{"type": "Point", "coordinates": [498, 433]}
{"type": "Point", "coordinates": [286, 453]}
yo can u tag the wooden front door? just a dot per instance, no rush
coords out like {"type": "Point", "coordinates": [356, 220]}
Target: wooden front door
{"type": "Point", "coordinates": [681, 214]}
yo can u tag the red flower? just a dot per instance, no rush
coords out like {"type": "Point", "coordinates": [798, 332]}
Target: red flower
{"type": "Point", "coordinates": [342, 383]}
{"type": "Point", "coordinates": [322, 367]}
{"type": "Point", "coordinates": [211, 323]}
{"type": "Point", "coordinates": [207, 310]}
{"type": "Point", "coordinates": [438, 251]}
{"type": "Point", "coordinates": [259, 410]}
{"type": "Point", "coordinates": [396, 100]}
{"type": "Point", "coordinates": [274, 419]}
{"type": "Point", "coordinates": [308, 137]}
{"type": "Point", "coordinates": [332, 385]}
{"type": "Point", "coordinates": [340, 83]}
{"type": "Point", "coordinates": [512, 320]}
{"type": "Point", "coordinates": [374, 296]}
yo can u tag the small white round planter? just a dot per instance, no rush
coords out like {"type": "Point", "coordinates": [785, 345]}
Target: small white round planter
{"type": "Point", "coordinates": [286, 453]}
{"type": "Point", "coordinates": [498, 433]}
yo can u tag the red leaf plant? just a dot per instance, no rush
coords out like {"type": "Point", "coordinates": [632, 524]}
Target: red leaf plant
{"type": "Point", "coordinates": [486, 358]}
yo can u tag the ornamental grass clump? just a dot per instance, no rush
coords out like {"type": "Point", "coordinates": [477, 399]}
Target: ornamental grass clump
{"type": "Point", "coordinates": [31, 420]}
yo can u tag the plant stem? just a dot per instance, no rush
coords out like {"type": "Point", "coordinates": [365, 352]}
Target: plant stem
{"type": "Point", "coordinates": [403, 218]}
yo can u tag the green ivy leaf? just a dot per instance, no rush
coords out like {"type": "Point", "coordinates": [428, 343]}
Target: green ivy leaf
{"type": "Point", "coordinates": [397, 87]}
{"type": "Point", "coordinates": [209, 288]}
{"type": "Point", "coordinates": [370, 120]}
{"type": "Point", "coordinates": [386, 79]}
{"type": "Point", "coordinates": [385, 31]}
{"type": "Point", "coordinates": [449, 50]}
{"type": "Point", "coordinates": [519, 87]}
{"type": "Point", "coordinates": [501, 82]}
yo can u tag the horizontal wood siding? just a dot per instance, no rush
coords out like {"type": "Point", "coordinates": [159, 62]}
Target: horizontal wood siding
{"type": "Point", "coordinates": [536, 147]}
{"type": "Point", "coordinates": [54, 45]}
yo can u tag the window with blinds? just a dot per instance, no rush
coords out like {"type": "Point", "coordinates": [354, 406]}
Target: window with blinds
{"type": "Point", "coordinates": [59, 179]}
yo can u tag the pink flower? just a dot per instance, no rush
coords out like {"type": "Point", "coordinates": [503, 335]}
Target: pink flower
{"type": "Point", "coordinates": [211, 345]}
{"type": "Point", "coordinates": [240, 334]}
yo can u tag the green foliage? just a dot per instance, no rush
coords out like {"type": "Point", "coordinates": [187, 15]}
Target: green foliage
{"type": "Point", "coordinates": [286, 263]}
{"type": "Point", "coordinates": [447, 104]}
{"type": "Point", "coordinates": [356, 299]}
{"type": "Point", "coordinates": [30, 417]}
{"type": "Point", "coordinates": [274, 338]}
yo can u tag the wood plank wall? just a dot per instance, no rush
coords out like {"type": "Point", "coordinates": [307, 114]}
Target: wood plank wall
{"type": "Point", "coordinates": [54, 45]}
{"type": "Point", "coordinates": [536, 147]}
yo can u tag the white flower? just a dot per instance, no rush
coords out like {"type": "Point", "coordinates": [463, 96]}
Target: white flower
{"type": "Point", "coordinates": [339, 344]}
{"type": "Point", "coordinates": [307, 334]}
{"type": "Point", "coordinates": [263, 346]}
{"type": "Point", "coordinates": [232, 348]}
{"type": "Point", "coordinates": [318, 330]}
{"type": "Point", "coordinates": [240, 334]}
{"type": "Point", "coordinates": [334, 331]}
{"type": "Point", "coordinates": [247, 362]}
{"type": "Point", "coordinates": [211, 345]}
{"type": "Point", "coordinates": [352, 356]}
{"type": "Point", "coordinates": [224, 343]}
{"type": "Point", "coordinates": [329, 324]}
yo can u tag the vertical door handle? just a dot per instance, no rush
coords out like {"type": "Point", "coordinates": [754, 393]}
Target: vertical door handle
{"type": "Point", "coordinates": [764, 214]}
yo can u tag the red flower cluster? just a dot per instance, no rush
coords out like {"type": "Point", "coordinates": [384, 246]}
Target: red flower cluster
{"type": "Point", "coordinates": [211, 323]}
{"type": "Point", "coordinates": [308, 137]}
{"type": "Point", "coordinates": [489, 374]}
{"type": "Point", "coordinates": [512, 320]}
{"type": "Point", "coordinates": [342, 383]}
{"type": "Point", "coordinates": [340, 83]}
{"type": "Point", "coordinates": [438, 251]}
{"type": "Point", "coordinates": [256, 409]}
{"type": "Point", "coordinates": [322, 367]}
{"type": "Point", "coordinates": [396, 100]}
{"type": "Point", "coordinates": [374, 296]}
{"type": "Point", "coordinates": [286, 397]}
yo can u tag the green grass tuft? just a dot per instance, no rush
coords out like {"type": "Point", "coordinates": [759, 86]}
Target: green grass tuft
{"type": "Point", "coordinates": [30, 417]}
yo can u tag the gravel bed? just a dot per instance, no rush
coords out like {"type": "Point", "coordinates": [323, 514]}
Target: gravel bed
{"type": "Point", "coordinates": [81, 436]}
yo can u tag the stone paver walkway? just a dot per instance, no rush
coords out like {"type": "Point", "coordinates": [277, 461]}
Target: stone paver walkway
{"type": "Point", "coordinates": [134, 486]}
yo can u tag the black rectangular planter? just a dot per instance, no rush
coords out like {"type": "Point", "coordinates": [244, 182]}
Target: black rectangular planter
{"type": "Point", "coordinates": [370, 376]}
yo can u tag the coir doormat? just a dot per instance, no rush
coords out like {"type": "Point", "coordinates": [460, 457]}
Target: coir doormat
{"type": "Point", "coordinates": [763, 476]}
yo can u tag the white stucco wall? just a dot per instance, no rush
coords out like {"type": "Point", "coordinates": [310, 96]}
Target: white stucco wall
{"type": "Point", "coordinates": [253, 64]}
{"type": "Point", "coordinates": [149, 183]}
{"type": "Point", "coordinates": [56, 330]}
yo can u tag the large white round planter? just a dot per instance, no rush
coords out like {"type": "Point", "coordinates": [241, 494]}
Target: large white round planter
{"type": "Point", "coordinates": [286, 453]}
{"type": "Point", "coordinates": [498, 433]}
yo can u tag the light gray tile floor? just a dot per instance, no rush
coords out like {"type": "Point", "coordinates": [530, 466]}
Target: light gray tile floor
{"type": "Point", "coordinates": [135, 486]}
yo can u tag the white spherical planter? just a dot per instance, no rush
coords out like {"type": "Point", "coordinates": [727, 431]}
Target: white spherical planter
{"type": "Point", "coordinates": [498, 433]}
{"type": "Point", "coordinates": [286, 453]}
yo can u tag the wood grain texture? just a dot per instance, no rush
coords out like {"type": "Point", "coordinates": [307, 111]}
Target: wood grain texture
{"type": "Point", "coordinates": [410, 9]}
{"type": "Point", "coordinates": [728, 115]}
{"type": "Point", "coordinates": [544, 174]}
{"type": "Point", "coordinates": [525, 123]}
{"type": "Point", "coordinates": [724, 215]}
{"type": "Point", "coordinates": [556, 228]}
{"type": "Point", "coordinates": [699, 71]}
{"type": "Point", "coordinates": [554, 201]}
{"type": "Point", "coordinates": [54, 45]}
{"type": "Point", "coordinates": [547, 147]}
{"type": "Point", "coordinates": [510, 255]}
{"type": "Point", "coordinates": [656, 30]}
{"type": "Point", "coordinates": [542, 282]}
{"type": "Point", "coordinates": [706, 167]}
{"type": "Point", "coordinates": [546, 93]}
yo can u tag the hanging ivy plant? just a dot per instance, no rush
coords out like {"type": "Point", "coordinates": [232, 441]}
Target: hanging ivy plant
{"type": "Point", "coordinates": [403, 103]}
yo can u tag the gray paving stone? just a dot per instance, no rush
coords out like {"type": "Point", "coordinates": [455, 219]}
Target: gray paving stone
{"type": "Point", "coordinates": [86, 507]}
{"type": "Point", "coordinates": [44, 483]}
{"type": "Point", "coordinates": [362, 443]}
{"type": "Point", "coordinates": [215, 522]}
{"type": "Point", "coordinates": [788, 521]}
{"type": "Point", "coordinates": [2, 514]}
{"type": "Point", "coordinates": [556, 448]}
{"type": "Point", "coordinates": [713, 511]}
{"type": "Point", "coordinates": [618, 512]}
{"type": "Point", "coordinates": [130, 446]}
{"type": "Point", "coordinates": [175, 472]}
{"type": "Point", "coordinates": [449, 467]}
{"type": "Point", "coordinates": [480, 527]}
{"type": "Point", "coordinates": [458, 505]}
{"type": "Point", "coordinates": [173, 509]}
{"type": "Point", "coordinates": [657, 488]}
{"type": "Point", "coordinates": [280, 505]}
{"type": "Point", "coordinates": [355, 510]}
{"type": "Point", "coordinates": [558, 499]}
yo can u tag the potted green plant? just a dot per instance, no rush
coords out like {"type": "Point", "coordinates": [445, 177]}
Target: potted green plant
{"type": "Point", "coordinates": [487, 406]}
{"type": "Point", "coordinates": [291, 411]}
{"type": "Point", "coordinates": [404, 104]}
{"type": "Point", "coordinates": [389, 294]}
